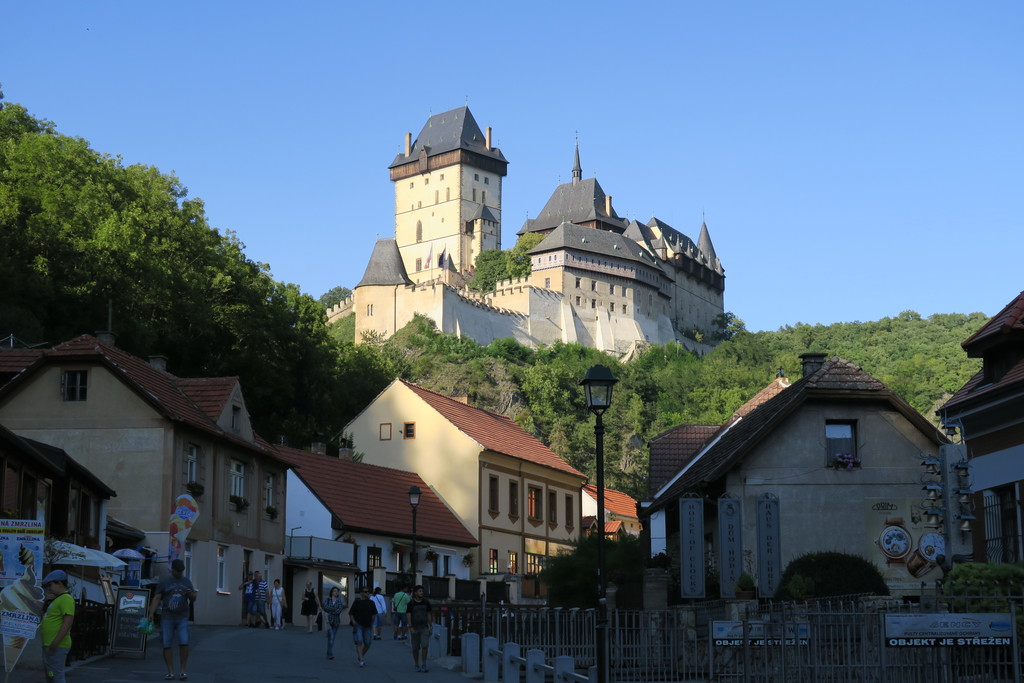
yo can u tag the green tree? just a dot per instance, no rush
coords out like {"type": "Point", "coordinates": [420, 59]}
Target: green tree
{"type": "Point", "coordinates": [334, 296]}
{"type": "Point", "coordinates": [570, 578]}
{"type": "Point", "coordinates": [491, 267]}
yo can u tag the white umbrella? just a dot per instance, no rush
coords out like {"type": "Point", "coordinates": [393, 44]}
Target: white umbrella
{"type": "Point", "coordinates": [62, 552]}
{"type": "Point", "coordinates": [128, 554]}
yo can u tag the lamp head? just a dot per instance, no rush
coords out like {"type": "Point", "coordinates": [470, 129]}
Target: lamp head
{"type": "Point", "coordinates": [598, 387]}
{"type": "Point", "coordinates": [414, 495]}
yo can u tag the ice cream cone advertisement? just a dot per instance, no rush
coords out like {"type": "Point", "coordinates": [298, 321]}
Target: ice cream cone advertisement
{"type": "Point", "coordinates": [21, 598]}
{"type": "Point", "coordinates": [184, 516]}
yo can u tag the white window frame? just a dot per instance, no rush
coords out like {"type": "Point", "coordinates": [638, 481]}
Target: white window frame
{"type": "Point", "coordinates": [236, 475]}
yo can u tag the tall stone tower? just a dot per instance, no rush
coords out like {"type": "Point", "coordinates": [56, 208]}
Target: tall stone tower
{"type": "Point", "coordinates": [447, 196]}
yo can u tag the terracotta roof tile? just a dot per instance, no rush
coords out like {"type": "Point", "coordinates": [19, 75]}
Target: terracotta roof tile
{"type": "Point", "coordinates": [671, 450]}
{"type": "Point", "coordinates": [493, 431]}
{"type": "Point", "coordinates": [977, 387]}
{"type": "Point", "coordinates": [374, 499]}
{"type": "Point", "coordinates": [1009, 321]}
{"type": "Point", "coordinates": [209, 393]}
{"type": "Point", "coordinates": [13, 361]}
{"type": "Point", "coordinates": [615, 502]}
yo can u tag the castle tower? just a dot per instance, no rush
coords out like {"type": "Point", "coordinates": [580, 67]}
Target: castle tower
{"type": "Point", "coordinates": [447, 196]}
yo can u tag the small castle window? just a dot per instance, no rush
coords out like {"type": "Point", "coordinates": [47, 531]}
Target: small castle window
{"type": "Point", "coordinates": [474, 194]}
{"type": "Point", "coordinates": [476, 176]}
{"type": "Point", "coordinates": [410, 185]}
{"type": "Point", "coordinates": [487, 181]}
{"type": "Point", "coordinates": [593, 303]}
{"type": "Point", "coordinates": [611, 289]}
{"type": "Point", "coordinates": [442, 176]}
{"type": "Point", "coordinates": [611, 307]}
{"type": "Point", "coordinates": [624, 308]}
{"type": "Point", "coordinates": [483, 196]}
{"type": "Point", "coordinates": [419, 231]}
{"type": "Point", "coordinates": [547, 283]}
{"type": "Point", "coordinates": [577, 287]}
{"type": "Point", "coordinates": [447, 193]}
{"type": "Point", "coordinates": [419, 264]}
{"type": "Point", "coordinates": [577, 301]}
{"type": "Point", "coordinates": [593, 285]}
{"type": "Point", "coordinates": [369, 310]}
{"type": "Point", "coordinates": [437, 196]}
{"type": "Point", "coordinates": [426, 181]}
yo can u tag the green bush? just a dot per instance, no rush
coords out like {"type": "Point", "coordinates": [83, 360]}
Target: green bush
{"type": "Point", "coordinates": [980, 587]}
{"type": "Point", "coordinates": [825, 574]}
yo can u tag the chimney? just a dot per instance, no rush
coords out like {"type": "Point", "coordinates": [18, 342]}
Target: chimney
{"type": "Point", "coordinates": [408, 144]}
{"type": "Point", "coordinates": [488, 142]}
{"type": "Point", "coordinates": [812, 362]}
{"type": "Point", "coordinates": [107, 337]}
{"type": "Point", "coordinates": [158, 362]}
{"type": "Point", "coordinates": [318, 447]}
{"type": "Point", "coordinates": [345, 454]}
{"type": "Point", "coordinates": [608, 204]}
{"type": "Point", "coordinates": [461, 398]}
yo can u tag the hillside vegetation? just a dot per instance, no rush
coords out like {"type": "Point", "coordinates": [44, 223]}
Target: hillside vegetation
{"type": "Point", "coordinates": [919, 358]}
{"type": "Point", "coordinates": [84, 237]}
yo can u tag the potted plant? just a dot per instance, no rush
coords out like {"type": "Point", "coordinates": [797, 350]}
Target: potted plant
{"type": "Point", "coordinates": [745, 588]}
{"type": "Point", "coordinates": [430, 556]}
{"type": "Point", "coordinates": [194, 488]}
{"type": "Point", "coordinates": [239, 502]}
{"type": "Point", "coordinates": [467, 560]}
{"type": "Point", "coordinates": [271, 511]}
{"type": "Point", "coordinates": [845, 461]}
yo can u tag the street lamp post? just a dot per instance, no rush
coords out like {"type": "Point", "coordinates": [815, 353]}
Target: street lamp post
{"type": "Point", "coordinates": [598, 387]}
{"type": "Point", "coordinates": [414, 501]}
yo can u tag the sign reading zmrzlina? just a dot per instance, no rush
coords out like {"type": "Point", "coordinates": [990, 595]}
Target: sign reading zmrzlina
{"type": "Point", "coordinates": [948, 630]}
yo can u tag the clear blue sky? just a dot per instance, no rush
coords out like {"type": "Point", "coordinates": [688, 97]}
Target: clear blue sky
{"type": "Point", "coordinates": [852, 159]}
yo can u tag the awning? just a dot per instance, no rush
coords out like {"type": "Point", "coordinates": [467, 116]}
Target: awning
{"type": "Point", "coordinates": [62, 552]}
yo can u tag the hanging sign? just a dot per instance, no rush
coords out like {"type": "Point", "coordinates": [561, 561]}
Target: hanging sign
{"type": "Point", "coordinates": [730, 535]}
{"type": "Point", "coordinates": [691, 547]}
{"type": "Point", "coordinates": [769, 545]}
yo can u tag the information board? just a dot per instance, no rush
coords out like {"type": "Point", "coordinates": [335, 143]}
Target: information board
{"type": "Point", "coordinates": [948, 630]}
{"type": "Point", "coordinates": [130, 608]}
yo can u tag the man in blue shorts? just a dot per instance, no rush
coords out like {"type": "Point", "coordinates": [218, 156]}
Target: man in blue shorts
{"type": "Point", "coordinates": [174, 594]}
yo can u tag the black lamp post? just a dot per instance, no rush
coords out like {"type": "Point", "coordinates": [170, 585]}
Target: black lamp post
{"type": "Point", "coordinates": [414, 501]}
{"type": "Point", "coordinates": [598, 387]}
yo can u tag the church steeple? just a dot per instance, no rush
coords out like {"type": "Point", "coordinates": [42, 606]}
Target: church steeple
{"type": "Point", "coordinates": [577, 171]}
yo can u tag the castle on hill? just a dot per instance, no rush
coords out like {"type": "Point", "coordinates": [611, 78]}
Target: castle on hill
{"type": "Point", "coordinates": [597, 279]}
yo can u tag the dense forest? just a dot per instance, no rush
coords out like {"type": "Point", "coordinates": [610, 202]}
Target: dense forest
{"type": "Point", "coordinates": [85, 240]}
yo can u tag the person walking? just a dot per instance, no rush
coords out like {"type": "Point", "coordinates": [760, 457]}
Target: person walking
{"type": "Point", "coordinates": [399, 606]}
{"type": "Point", "coordinates": [173, 595]}
{"type": "Point", "coordinates": [55, 627]}
{"type": "Point", "coordinates": [247, 588]}
{"type": "Point", "coordinates": [361, 615]}
{"type": "Point", "coordinates": [333, 606]}
{"type": "Point", "coordinates": [381, 603]}
{"type": "Point", "coordinates": [278, 604]}
{"type": "Point", "coordinates": [259, 599]}
{"type": "Point", "coordinates": [310, 606]}
{"type": "Point", "coordinates": [421, 627]}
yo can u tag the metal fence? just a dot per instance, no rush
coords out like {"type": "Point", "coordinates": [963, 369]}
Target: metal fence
{"type": "Point", "coordinates": [836, 641]}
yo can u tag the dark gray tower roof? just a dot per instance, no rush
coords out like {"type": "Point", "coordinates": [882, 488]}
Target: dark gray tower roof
{"type": "Point", "coordinates": [601, 242]}
{"type": "Point", "coordinates": [577, 170]}
{"type": "Point", "coordinates": [447, 131]}
{"type": "Point", "coordinates": [385, 266]}
{"type": "Point", "coordinates": [576, 202]}
{"type": "Point", "coordinates": [708, 249]}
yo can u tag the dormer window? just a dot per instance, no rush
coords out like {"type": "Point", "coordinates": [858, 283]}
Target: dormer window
{"type": "Point", "coordinates": [236, 418]}
{"type": "Point", "coordinates": [74, 385]}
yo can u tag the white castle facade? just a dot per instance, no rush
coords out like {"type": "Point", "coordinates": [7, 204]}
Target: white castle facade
{"type": "Point", "coordinates": [596, 278]}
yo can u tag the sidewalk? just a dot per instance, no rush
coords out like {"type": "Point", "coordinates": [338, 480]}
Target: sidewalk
{"type": "Point", "coordinates": [227, 654]}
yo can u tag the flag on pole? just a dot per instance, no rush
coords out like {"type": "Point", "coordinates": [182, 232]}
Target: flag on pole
{"type": "Point", "coordinates": [441, 258]}
{"type": "Point", "coordinates": [430, 257]}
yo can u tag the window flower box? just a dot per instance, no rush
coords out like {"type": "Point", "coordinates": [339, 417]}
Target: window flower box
{"type": "Point", "coordinates": [844, 461]}
{"type": "Point", "coordinates": [240, 503]}
{"type": "Point", "coordinates": [194, 488]}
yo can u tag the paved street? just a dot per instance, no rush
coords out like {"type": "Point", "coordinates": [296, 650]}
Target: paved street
{"type": "Point", "coordinates": [225, 654]}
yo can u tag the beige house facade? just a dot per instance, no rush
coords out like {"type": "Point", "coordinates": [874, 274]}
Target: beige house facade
{"type": "Point", "coordinates": [519, 500]}
{"type": "Point", "coordinates": [152, 436]}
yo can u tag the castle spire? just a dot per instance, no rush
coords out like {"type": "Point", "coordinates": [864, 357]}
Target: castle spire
{"type": "Point", "coordinates": [577, 171]}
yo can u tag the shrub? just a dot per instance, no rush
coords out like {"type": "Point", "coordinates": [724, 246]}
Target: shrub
{"type": "Point", "coordinates": [824, 574]}
{"type": "Point", "coordinates": [979, 587]}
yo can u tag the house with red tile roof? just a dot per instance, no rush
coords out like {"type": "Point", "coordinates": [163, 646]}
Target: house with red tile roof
{"type": "Point", "coordinates": [988, 413]}
{"type": "Point", "coordinates": [366, 509]}
{"type": "Point", "coordinates": [520, 501]}
{"type": "Point", "coordinates": [831, 462]}
{"type": "Point", "coordinates": [620, 513]}
{"type": "Point", "coordinates": [152, 436]}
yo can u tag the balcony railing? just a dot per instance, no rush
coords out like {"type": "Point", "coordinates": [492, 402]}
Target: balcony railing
{"type": "Point", "coordinates": [320, 549]}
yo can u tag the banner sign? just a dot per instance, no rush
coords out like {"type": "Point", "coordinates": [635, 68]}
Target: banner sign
{"type": "Point", "coordinates": [948, 630]}
{"type": "Point", "coordinates": [730, 535]}
{"type": "Point", "coordinates": [769, 545]}
{"type": "Point", "coordinates": [21, 600]}
{"type": "Point", "coordinates": [184, 516]}
{"type": "Point", "coordinates": [730, 633]}
{"type": "Point", "coordinates": [691, 546]}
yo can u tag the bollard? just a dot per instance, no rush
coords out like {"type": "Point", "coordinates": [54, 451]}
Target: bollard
{"type": "Point", "coordinates": [437, 643]}
{"type": "Point", "coordinates": [471, 654]}
{"type": "Point", "coordinates": [564, 665]}
{"type": "Point", "coordinates": [491, 658]}
{"type": "Point", "coordinates": [535, 667]}
{"type": "Point", "coordinates": [510, 664]}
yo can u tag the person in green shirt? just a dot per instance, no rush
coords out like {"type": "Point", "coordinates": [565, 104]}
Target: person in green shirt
{"type": "Point", "coordinates": [56, 625]}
